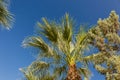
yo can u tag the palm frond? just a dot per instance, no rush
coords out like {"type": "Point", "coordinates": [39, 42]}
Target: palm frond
{"type": "Point", "coordinates": [49, 30]}
{"type": "Point", "coordinates": [60, 71]}
{"type": "Point", "coordinates": [36, 42]}
{"type": "Point", "coordinates": [97, 58]}
{"type": "Point", "coordinates": [36, 71]}
{"type": "Point", "coordinates": [37, 65]}
{"type": "Point", "coordinates": [85, 72]}
{"type": "Point", "coordinates": [5, 16]}
{"type": "Point", "coordinates": [67, 24]}
{"type": "Point", "coordinates": [80, 45]}
{"type": "Point", "coordinates": [28, 75]}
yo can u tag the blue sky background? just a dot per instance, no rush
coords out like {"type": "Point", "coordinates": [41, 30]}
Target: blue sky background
{"type": "Point", "coordinates": [28, 12]}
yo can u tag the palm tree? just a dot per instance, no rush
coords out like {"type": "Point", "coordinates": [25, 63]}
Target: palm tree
{"type": "Point", "coordinates": [5, 15]}
{"type": "Point", "coordinates": [105, 36]}
{"type": "Point", "coordinates": [60, 51]}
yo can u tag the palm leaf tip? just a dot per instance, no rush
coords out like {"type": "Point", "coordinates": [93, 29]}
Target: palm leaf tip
{"type": "Point", "coordinates": [67, 28]}
{"type": "Point", "coordinates": [20, 69]}
{"type": "Point", "coordinates": [36, 42]}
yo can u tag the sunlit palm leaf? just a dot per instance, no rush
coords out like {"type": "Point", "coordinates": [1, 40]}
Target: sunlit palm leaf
{"type": "Point", "coordinates": [36, 42]}
{"type": "Point", "coordinates": [49, 30]}
{"type": "Point", "coordinates": [97, 58]}
{"type": "Point", "coordinates": [67, 28]}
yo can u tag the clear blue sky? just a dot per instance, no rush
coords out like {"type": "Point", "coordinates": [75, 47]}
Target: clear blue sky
{"type": "Point", "coordinates": [28, 12]}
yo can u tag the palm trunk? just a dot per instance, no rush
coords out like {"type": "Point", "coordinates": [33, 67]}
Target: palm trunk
{"type": "Point", "coordinates": [73, 73]}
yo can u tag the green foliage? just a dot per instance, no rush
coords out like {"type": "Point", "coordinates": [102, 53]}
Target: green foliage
{"type": "Point", "coordinates": [58, 49]}
{"type": "Point", "coordinates": [105, 36]}
{"type": "Point", "coordinates": [5, 16]}
{"type": "Point", "coordinates": [32, 72]}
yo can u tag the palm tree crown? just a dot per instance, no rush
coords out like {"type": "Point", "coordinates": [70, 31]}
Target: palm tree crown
{"type": "Point", "coordinates": [60, 51]}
